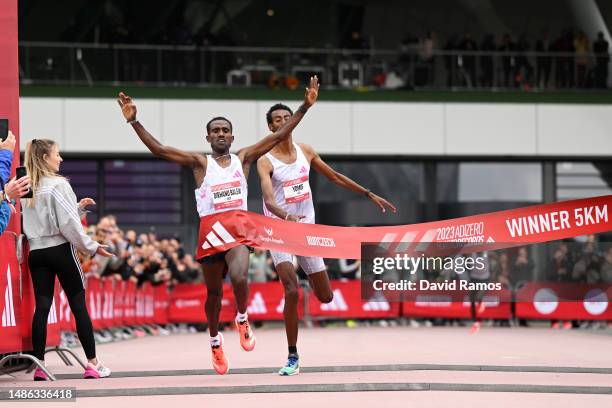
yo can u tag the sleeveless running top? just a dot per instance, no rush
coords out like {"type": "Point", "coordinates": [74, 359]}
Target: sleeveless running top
{"type": "Point", "coordinates": [223, 189]}
{"type": "Point", "coordinates": [291, 186]}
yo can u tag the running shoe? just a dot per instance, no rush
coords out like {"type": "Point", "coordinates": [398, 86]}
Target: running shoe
{"type": "Point", "coordinates": [96, 371]}
{"type": "Point", "coordinates": [219, 361]}
{"type": "Point", "coordinates": [247, 338]}
{"type": "Point", "coordinates": [475, 328]}
{"type": "Point", "coordinates": [39, 375]}
{"type": "Point", "coordinates": [292, 367]}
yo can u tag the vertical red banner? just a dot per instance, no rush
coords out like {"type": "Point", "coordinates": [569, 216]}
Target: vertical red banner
{"type": "Point", "coordinates": [9, 80]}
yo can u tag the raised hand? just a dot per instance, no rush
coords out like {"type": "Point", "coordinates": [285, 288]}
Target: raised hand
{"type": "Point", "coordinates": [102, 251]}
{"type": "Point", "coordinates": [17, 188]}
{"type": "Point", "coordinates": [128, 108]}
{"type": "Point", "coordinates": [312, 92]}
{"type": "Point", "coordinates": [381, 202]}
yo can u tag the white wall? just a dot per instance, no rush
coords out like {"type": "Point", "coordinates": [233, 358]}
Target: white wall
{"type": "Point", "coordinates": [381, 128]}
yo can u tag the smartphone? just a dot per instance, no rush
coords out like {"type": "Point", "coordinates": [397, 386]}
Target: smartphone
{"type": "Point", "coordinates": [22, 172]}
{"type": "Point", "coordinates": [4, 128]}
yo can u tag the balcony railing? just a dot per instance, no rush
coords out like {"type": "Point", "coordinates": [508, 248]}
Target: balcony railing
{"type": "Point", "coordinates": [411, 68]}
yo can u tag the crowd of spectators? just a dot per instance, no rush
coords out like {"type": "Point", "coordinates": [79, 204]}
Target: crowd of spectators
{"type": "Point", "coordinates": [570, 60]}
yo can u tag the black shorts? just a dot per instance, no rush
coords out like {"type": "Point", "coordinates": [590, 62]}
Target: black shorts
{"type": "Point", "coordinates": [208, 260]}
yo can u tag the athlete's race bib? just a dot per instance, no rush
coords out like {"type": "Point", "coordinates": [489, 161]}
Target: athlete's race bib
{"type": "Point", "coordinates": [227, 195]}
{"type": "Point", "coordinates": [296, 190]}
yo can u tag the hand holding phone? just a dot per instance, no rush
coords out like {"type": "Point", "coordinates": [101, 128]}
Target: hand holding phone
{"type": "Point", "coordinates": [22, 172]}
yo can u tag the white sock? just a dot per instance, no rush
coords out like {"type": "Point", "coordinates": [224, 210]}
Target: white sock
{"type": "Point", "coordinates": [215, 341]}
{"type": "Point", "coordinates": [242, 317]}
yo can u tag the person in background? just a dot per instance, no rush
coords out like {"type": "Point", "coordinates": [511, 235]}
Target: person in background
{"type": "Point", "coordinates": [9, 190]}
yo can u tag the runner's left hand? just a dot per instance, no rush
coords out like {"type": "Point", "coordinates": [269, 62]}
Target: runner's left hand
{"type": "Point", "coordinates": [382, 203]}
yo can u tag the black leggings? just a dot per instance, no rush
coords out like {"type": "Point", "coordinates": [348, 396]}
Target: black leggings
{"type": "Point", "coordinates": [45, 265]}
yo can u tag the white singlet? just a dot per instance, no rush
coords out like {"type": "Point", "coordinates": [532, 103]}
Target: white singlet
{"type": "Point", "coordinates": [223, 189]}
{"type": "Point", "coordinates": [292, 193]}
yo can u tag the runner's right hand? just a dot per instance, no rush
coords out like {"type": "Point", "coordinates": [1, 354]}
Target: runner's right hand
{"type": "Point", "coordinates": [312, 92]}
{"type": "Point", "coordinates": [128, 108]}
{"type": "Point", "coordinates": [295, 218]}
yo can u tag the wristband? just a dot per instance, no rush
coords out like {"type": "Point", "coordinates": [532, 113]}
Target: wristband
{"type": "Point", "coordinates": [367, 193]}
{"type": "Point", "coordinates": [131, 122]}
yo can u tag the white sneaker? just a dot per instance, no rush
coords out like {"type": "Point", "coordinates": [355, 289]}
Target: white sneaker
{"type": "Point", "coordinates": [97, 371]}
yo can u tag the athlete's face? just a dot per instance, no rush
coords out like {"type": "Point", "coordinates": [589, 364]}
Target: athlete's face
{"type": "Point", "coordinates": [279, 118]}
{"type": "Point", "coordinates": [220, 136]}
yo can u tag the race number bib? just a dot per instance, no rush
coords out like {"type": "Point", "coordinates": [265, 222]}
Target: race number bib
{"type": "Point", "coordinates": [296, 190]}
{"type": "Point", "coordinates": [227, 195]}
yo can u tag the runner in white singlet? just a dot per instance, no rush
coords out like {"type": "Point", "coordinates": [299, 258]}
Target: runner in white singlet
{"type": "Point", "coordinates": [284, 174]}
{"type": "Point", "coordinates": [222, 186]}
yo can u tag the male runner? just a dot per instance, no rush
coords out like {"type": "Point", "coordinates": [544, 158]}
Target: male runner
{"type": "Point", "coordinates": [222, 186]}
{"type": "Point", "coordinates": [284, 174]}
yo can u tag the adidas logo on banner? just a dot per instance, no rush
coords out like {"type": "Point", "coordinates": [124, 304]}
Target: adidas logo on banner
{"type": "Point", "coordinates": [221, 237]}
{"type": "Point", "coordinates": [257, 305]}
{"type": "Point", "coordinates": [376, 306]}
{"type": "Point", "coordinates": [281, 306]}
{"type": "Point", "coordinates": [8, 314]}
{"type": "Point", "coordinates": [337, 304]}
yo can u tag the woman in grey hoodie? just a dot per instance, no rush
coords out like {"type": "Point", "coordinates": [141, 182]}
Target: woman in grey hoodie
{"type": "Point", "coordinates": [52, 225]}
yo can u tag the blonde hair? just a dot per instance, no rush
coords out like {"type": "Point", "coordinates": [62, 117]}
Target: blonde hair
{"type": "Point", "coordinates": [35, 163]}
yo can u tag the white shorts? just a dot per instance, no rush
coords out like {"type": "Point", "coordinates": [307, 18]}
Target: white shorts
{"type": "Point", "coordinates": [309, 264]}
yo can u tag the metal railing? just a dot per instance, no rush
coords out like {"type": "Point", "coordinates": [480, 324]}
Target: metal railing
{"type": "Point", "coordinates": [166, 65]}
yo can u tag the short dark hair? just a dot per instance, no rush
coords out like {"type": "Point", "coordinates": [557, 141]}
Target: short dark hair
{"type": "Point", "coordinates": [278, 106]}
{"type": "Point", "coordinates": [218, 118]}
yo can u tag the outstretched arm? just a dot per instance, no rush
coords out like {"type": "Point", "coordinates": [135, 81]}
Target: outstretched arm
{"type": "Point", "coordinates": [251, 153]}
{"type": "Point", "coordinates": [128, 108]}
{"type": "Point", "coordinates": [341, 180]}
{"type": "Point", "coordinates": [264, 169]}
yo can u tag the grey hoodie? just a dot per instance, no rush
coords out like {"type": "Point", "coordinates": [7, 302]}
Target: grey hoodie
{"type": "Point", "coordinates": [54, 218]}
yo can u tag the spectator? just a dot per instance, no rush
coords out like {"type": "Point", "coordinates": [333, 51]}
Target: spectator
{"type": "Point", "coordinates": [469, 59]}
{"type": "Point", "coordinates": [581, 45]}
{"type": "Point", "coordinates": [524, 70]}
{"type": "Point", "coordinates": [260, 266]}
{"type": "Point", "coordinates": [523, 267]}
{"type": "Point", "coordinates": [544, 62]}
{"type": "Point", "coordinates": [9, 190]}
{"type": "Point", "coordinates": [602, 60]}
{"type": "Point", "coordinates": [508, 61]}
{"type": "Point", "coordinates": [486, 62]}
{"type": "Point", "coordinates": [606, 266]}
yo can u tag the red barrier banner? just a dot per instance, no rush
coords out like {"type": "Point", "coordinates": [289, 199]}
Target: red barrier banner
{"type": "Point", "coordinates": [497, 306]}
{"type": "Point", "coordinates": [108, 297]}
{"type": "Point", "coordinates": [548, 301]}
{"type": "Point", "coordinates": [187, 304]}
{"type": "Point", "coordinates": [539, 223]}
{"type": "Point", "coordinates": [118, 314]}
{"type": "Point", "coordinates": [161, 303]}
{"type": "Point", "coordinates": [149, 303]}
{"type": "Point", "coordinates": [347, 304]}
{"type": "Point", "coordinates": [267, 300]}
{"type": "Point", "coordinates": [10, 303]}
{"type": "Point", "coordinates": [129, 303]}
{"type": "Point", "coordinates": [93, 295]}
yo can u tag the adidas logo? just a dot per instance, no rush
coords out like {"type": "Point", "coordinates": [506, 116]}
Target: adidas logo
{"type": "Point", "coordinates": [269, 231]}
{"type": "Point", "coordinates": [376, 306]}
{"type": "Point", "coordinates": [8, 314]}
{"type": "Point", "coordinates": [237, 174]}
{"type": "Point", "coordinates": [221, 237]}
{"type": "Point", "coordinates": [303, 170]}
{"type": "Point", "coordinates": [257, 305]}
{"type": "Point", "coordinates": [337, 304]}
{"type": "Point", "coordinates": [281, 306]}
